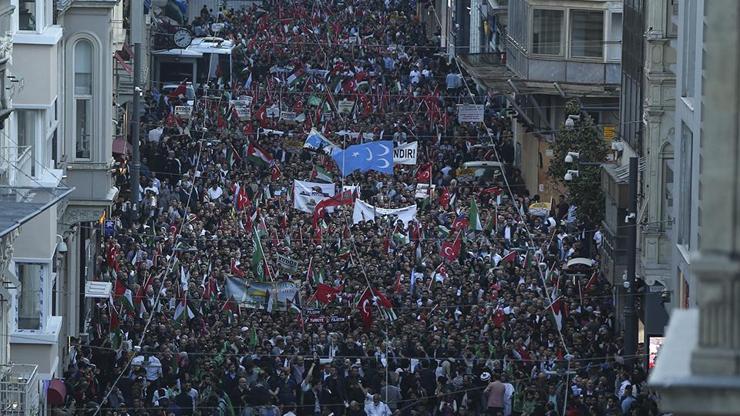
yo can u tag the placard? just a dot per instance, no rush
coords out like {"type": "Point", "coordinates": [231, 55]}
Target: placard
{"type": "Point", "coordinates": [183, 111]}
{"type": "Point", "coordinates": [242, 108]}
{"type": "Point", "coordinates": [405, 154]}
{"type": "Point", "coordinates": [345, 106]}
{"type": "Point", "coordinates": [470, 113]}
{"type": "Point", "coordinates": [288, 115]}
{"type": "Point", "coordinates": [287, 263]}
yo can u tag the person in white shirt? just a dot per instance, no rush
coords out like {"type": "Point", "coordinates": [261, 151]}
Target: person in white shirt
{"type": "Point", "coordinates": [414, 76]}
{"type": "Point", "coordinates": [151, 364]}
{"type": "Point", "coordinates": [374, 407]}
{"type": "Point", "coordinates": [215, 192]}
{"type": "Point", "coordinates": [508, 394]}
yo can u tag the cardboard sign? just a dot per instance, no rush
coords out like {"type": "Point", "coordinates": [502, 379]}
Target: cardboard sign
{"type": "Point", "coordinates": [288, 116]}
{"type": "Point", "coordinates": [242, 108]}
{"type": "Point", "coordinates": [470, 113]}
{"type": "Point", "coordinates": [183, 111]}
{"type": "Point", "coordinates": [287, 263]}
{"type": "Point", "coordinates": [345, 106]}
{"type": "Point", "coordinates": [424, 190]}
{"type": "Point", "coordinates": [273, 111]}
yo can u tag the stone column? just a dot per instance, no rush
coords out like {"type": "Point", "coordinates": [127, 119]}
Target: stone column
{"type": "Point", "coordinates": [717, 267]}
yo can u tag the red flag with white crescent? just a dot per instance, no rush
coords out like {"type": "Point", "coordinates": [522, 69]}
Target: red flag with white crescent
{"type": "Point", "coordinates": [365, 307]}
{"type": "Point", "coordinates": [451, 251]}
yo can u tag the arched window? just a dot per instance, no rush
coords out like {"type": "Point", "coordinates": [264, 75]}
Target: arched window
{"type": "Point", "coordinates": [83, 80]}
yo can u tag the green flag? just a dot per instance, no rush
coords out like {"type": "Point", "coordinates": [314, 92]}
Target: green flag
{"type": "Point", "coordinates": [253, 338]}
{"type": "Point", "coordinates": [474, 217]}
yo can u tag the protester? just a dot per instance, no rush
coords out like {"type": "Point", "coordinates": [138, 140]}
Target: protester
{"type": "Point", "coordinates": [462, 308]}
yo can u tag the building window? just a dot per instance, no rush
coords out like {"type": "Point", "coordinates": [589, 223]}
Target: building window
{"type": "Point", "coordinates": [684, 213]}
{"type": "Point", "coordinates": [614, 44]}
{"type": "Point", "coordinates": [587, 33]}
{"type": "Point", "coordinates": [667, 194]}
{"type": "Point", "coordinates": [689, 49]}
{"type": "Point", "coordinates": [672, 19]}
{"type": "Point", "coordinates": [547, 32]}
{"type": "Point", "coordinates": [27, 139]}
{"type": "Point", "coordinates": [27, 15]}
{"type": "Point", "coordinates": [31, 276]}
{"type": "Point", "coordinates": [83, 63]}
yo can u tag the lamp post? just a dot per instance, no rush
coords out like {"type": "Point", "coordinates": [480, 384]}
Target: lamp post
{"type": "Point", "coordinates": [630, 281]}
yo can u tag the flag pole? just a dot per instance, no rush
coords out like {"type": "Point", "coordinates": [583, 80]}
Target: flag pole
{"type": "Point", "coordinates": [264, 258]}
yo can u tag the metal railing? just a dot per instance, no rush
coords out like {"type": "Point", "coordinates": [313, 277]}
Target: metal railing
{"type": "Point", "coordinates": [19, 390]}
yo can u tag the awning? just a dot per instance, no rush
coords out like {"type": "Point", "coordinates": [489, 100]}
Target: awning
{"type": "Point", "coordinates": [182, 53]}
{"type": "Point", "coordinates": [656, 317]}
{"type": "Point", "coordinates": [18, 205]}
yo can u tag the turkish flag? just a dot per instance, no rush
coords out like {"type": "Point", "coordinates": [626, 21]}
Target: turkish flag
{"type": "Point", "coordinates": [444, 198]}
{"type": "Point", "coordinates": [495, 190]}
{"type": "Point", "coordinates": [235, 270]}
{"type": "Point", "coordinates": [460, 223]}
{"type": "Point", "coordinates": [451, 251]}
{"type": "Point", "coordinates": [343, 198]}
{"type": "Point", "coordinates": [326, 294]}
{"type": "Point", "coordinates": [242, 199]}
{"type": "Point", "coordinates": [276, 173]}
{"type": "Point", "coordinates": [365, 307]}
{"type": "Point", "coordinates": [424, 173]}
{"type": "Point", "coordinates": [498, 318]}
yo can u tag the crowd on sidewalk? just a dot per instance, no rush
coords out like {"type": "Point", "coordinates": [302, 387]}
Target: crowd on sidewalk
{"type": "Point", "coordinates": [465, 308]}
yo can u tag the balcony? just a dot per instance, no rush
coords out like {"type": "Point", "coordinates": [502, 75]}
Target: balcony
{"type": "Point", "coordinates": [19, 390]}
{"type": "Point", "coordinates": [488, 69]}
{"type": "Point", "coordinates": [578, 75]}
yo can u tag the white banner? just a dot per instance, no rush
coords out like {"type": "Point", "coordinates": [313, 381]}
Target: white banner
{"type": "Point", "coordinates": [307, 194]}
{"type": "Point", "coordinates": [470, 113]}
{"type": "Point", "coordinates": [366, 212]}
{"type": "Point", "coordinates": [405, 154]}
{"type": "Point", "coordinates": [423, 190]}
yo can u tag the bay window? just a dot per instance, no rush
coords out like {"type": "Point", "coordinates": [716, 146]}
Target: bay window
{"type": "Point", "coordinates": [586, 33]}
{"type": "Point", "coordinates": [547, 31]}
{"type": "Point", "coordinates": [31, 276]}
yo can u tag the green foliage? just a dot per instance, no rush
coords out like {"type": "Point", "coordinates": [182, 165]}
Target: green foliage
{"type": "Point", "coordinates": [584, 190]}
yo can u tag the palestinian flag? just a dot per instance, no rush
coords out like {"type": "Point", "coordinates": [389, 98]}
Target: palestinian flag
{"type": "Point", "coordinates": [258, 256]}
{"type": "Point", "coordinates": [474, 217]}
{"type": "Point", "coordinates": [259, 156]}
{"type": "Point", "coordinates": [128, 300]}
{"type": "Point", "coordinates": [183, 311]}
{"type": "Point", "coordinates": [385, 306]}
{"type": "Point", "coordinates": [443, 231]}
{"type": "Point", "coordinates": [321, 174]}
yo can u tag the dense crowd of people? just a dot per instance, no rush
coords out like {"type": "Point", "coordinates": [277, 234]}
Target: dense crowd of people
{"type": "Point", "coordinates": [503, 327]}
